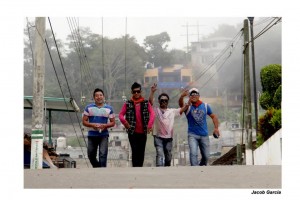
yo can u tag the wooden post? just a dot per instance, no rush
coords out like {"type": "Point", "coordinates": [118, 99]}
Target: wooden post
{"type": "Point", "coordinates": [37, 135]}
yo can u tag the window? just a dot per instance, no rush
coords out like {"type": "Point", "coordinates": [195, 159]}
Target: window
{"type": "Point", "coordinates": [170, 77]}
{"type": "Point", "coordinates": [147, 79]}
{"type": "Point", "coordinates": [117, 143]}
{"type": "Point", "coordinates": [186, 79]}
{"type": "Point", "coordinates": [154, 79]}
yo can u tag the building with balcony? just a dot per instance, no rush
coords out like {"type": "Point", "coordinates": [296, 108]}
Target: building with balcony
{"type": "Point", "coordinates": [170, 77]}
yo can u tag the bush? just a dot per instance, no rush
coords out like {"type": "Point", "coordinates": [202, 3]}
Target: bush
{"type": "Point", "coordinates": [277, 98]}
{"type": "Point", "coordinates": [270, 78]}
{"type": "Point", "coordinates": [259, 140]}
{"type": "Point", "coordinates": [276, 119]}
{"type": "Point", "coordinates": [269, 123]}
{"type": "Point", "coordinates": [270, 100]}
{"type": "Point", "coordinates": [265, 100]}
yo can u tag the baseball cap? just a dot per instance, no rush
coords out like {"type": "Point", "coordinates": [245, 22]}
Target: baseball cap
{"type": "Point", "coordinates": [194, 90]}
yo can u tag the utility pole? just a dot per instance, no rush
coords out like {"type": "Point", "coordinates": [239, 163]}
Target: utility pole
{"type": "Point", "coordinates": [37, 134]}
{"type": "Point", "coordinates": [251, 19]}
{"type": "Point", "coordinates": [187, 41]}
{"type": "Point", "coordinates": [198, 32]}
{"type": "Point", "coordinates": [247, 91]}
{"type": "Point", "coordinates": [187, 33]}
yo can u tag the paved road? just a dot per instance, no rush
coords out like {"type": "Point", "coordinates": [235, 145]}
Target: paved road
{"type": "Point", "coordinates": [215, 177]}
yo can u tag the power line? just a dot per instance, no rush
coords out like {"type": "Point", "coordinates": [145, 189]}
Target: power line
{"type": "Point", "coordinates": [82, 58]}
{"type": "Point", "coordinates": [217, 58]}
{"type": "Point", "coordinates": [68, 88]}
{"type": "Point", "coordinates": [63, 96]}
{"type": "Point", "coordinates": [81, 54]}
{"type": "Point", "coordinates": [267, 28]}
{"type": "Point", "coordinates": [231, 46]}
{"type": "Point", "coordinates": [220, 66]}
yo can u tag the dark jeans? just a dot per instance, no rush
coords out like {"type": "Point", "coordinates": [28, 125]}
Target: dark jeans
{"type": "Point", "coordinates": [163, 148]}
{"type": "Point", "coordinates": [138, 144]}
{"type": "Point", "coordinates": [93, 143]}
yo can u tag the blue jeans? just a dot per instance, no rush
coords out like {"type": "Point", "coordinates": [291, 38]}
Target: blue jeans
{"type": "Point", "coordinates": [202, 142]}
{"type": "Point", "coordinates": [93, 143]}
{"type": "Point", "coordinates": [163, 148]}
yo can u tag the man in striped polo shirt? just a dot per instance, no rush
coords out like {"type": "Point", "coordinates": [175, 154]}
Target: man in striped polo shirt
{"type": "Point", "coordinates": [98, 116]}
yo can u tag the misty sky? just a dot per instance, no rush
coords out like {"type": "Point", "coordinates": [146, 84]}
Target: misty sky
{"type": "Point", "coordinates": [140, 27]}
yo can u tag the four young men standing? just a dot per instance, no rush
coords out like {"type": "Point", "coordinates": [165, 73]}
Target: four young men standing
{"type": "Point", "coordinates": [137, 115]}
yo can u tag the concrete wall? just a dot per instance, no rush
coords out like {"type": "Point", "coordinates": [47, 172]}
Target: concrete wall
{"type": "Point", "coordinates": [270, 152]}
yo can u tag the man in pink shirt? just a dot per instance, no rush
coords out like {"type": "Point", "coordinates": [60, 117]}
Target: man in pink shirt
{"type": "Point", "coordinates": [139, 121]}
{"type": "Point", "coordinates": [163, 128]}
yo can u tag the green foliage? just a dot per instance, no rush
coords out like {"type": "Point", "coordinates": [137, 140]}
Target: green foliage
{"type": "Point", "coordinates": [267, 126]}
{"type": "Point", "coordinates": [276, 119]}
{"type": "Point", "coordinates": [265, 100]}
{"type": "Point", "coordinates": [259, 140]}
{"type": "Point", "coordinates": [277, 98]}
{"type": "Point", "coordinates": [178, 57]}
{"type": "Point", "coordinates": [156, 48]}
{"type": "Point", "coordinates": [270, 100]}
{"type": "Point", "coordinates": [270, 78]}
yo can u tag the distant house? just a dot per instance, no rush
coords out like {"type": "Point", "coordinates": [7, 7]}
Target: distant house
{"type": "Point", "coordinates": [168, 77]}
{"type": "Point", "coordinates": [203, 55]}
{"type": "Point", "coordinates": [206, 51]}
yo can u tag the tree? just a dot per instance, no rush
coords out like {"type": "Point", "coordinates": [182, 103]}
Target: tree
{"type": "Point", "coordinates": [51, 83]}
{"type": "Point", "coordinates": [86, 65]}
{"type": "Point", "coordinates": [177, 57]}
{"type": "Point", "coordinates": [223, 30]}
{"type": "Point", "coordinates": [270, 100]}
{"type": "Point", "coordinates": [112, 59]}
{"type": "Point", "coordinates": [271, 83]}
{"type": "Point", "coordinates": [156, 48]}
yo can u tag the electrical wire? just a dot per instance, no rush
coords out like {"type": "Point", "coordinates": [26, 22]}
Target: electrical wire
{"type": "Point", "coordinates": [81, 54]}
{"type": "Point", "coordinates": [68, 88]}
{"type": "Point", "coordinates": [201, 74]}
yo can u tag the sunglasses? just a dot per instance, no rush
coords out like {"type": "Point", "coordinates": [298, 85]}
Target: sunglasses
{"type": "Point", "coordinates": [194, 94]}
{"type": "Point", "coordinates": [136, 91]}
{"type": "Point", "coordinates": [163, 101]}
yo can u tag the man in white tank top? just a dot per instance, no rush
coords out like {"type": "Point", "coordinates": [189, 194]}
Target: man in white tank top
{"type": "Point", "coordinates": [163, 127]}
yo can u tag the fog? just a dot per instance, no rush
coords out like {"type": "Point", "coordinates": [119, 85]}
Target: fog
{"type": "Point", "coordinates": [140, 27]}
{"type": "Point", "coordinates": [84, 69]}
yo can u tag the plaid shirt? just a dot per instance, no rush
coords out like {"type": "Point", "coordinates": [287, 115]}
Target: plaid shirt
{"type": "Point", "coordinates": [130, 115]}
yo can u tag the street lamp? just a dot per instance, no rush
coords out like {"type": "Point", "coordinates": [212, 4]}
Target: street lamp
{"type": "Point", "coordinates": [251, 19]}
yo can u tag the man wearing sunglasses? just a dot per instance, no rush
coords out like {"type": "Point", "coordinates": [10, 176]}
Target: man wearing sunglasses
{"type": "Point", "coordinates": [197, 126]}
{"type": "Point", "coordinates": [139, 121]}
{"type": "Point", "coordinates": [163, 128]}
